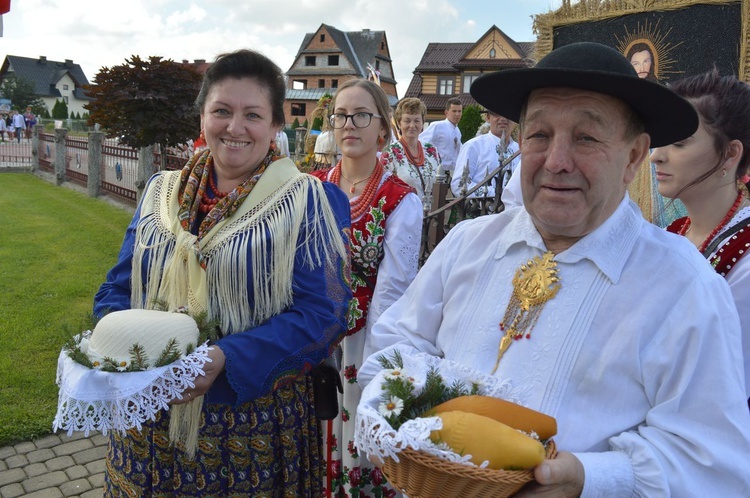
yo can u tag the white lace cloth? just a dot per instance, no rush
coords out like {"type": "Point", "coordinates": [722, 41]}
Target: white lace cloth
{"type": "Point", "coordinates": [374, 435]}
{"type": "Point", "coordinates": [93, 400]}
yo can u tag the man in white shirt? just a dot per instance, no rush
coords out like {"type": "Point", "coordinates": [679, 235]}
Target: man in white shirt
{"type": "Point", "coordinates": [445, 135]}
{"type": "Point", "coordinates": [616, 328]}
{"type": "Point", "coordinates": [19, 124]}
{"type": "Point", "coordinates": [480, 156]}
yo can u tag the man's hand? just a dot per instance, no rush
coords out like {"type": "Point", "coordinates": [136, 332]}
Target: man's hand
{"type": "Point", "coordinates": [561, 477]}
{"type": "Point", "coordinates": [202, 383]}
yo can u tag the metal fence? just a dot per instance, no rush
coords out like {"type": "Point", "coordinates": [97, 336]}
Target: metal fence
{"type": "Point", "coordinates": [121, 167]}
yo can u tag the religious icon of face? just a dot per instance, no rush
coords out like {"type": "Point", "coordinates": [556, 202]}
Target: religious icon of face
{"type": "Point", "coordinates": [642, 62]}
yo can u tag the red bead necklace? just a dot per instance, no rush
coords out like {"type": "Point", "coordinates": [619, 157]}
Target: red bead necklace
{"type": "Point", "coordinates": [363, 202]}
{"type": "Point", "coordinates": [416, 161]}
{"type": "Point", "coordinates": [722, 224]}
{"type": "Point", "coordinates": [208, 203]}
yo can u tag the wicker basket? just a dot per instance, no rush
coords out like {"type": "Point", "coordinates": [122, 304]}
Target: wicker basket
{"type": "Point", "coordinates": [421, 475]}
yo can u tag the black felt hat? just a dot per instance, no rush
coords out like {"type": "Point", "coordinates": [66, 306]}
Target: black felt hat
{"type": "Point", "coordinates": [597, 68]}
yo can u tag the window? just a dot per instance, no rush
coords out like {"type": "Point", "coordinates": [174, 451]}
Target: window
{"type": "Point", "coordinates": [382, 45]}
{"type": "Point", "coordinates": [65, 99]}
{"type": "Point", "coordinates": [298, 109]}
{"type": "Point", "coordinates": [333, 60]}
{"type": "Point", "coordinates": [299, 84]}
{"type": "Point", "coordinates": [445, 85]}
{"type": "Point", "coordinates": [321, 83]}
{"type": "Point", "coordinates": [492, 53]}
{"type": "Point", "coordinates": [468, 80]}
{"type": "Point", "coordinates": [322, 38]}
{"type": "Point", "coordinates": [65, 87]}
{"type": "Point", "coordinates": [334, 83]}
{"type": "Point", "coordinates": [309, 60]}
{"type": "Point", "coordinates": [377, 65]}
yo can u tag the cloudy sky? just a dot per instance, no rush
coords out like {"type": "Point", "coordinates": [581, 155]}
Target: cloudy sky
{"type": "Point", "coordinates": [99, 33]}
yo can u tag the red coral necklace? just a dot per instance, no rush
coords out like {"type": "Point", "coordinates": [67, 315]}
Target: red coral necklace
{"type": "Point", "coordinates": [416, 161]}
{"type": "Point", "coordinates": [363, 202]}
{"type": "Point", "coordinates": [208, 203]}
{"type": "Point", "coordinates": [730, 214]}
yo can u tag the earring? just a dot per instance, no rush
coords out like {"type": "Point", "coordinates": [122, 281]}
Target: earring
{"type": "Point", "coordinates": [273, 144]}
{"type": "Point", "coordinates": [723, 173]}
{"type": "Point", "coordinates": [381, 140]}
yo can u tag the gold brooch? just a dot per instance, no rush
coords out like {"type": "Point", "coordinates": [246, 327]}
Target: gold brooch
{"type": "Point", "coordinates": [534, 284]}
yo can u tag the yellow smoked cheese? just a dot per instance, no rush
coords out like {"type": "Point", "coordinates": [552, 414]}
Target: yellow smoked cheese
{"type": "Point", "coordinates": [486, 439]}
{"type": "Point", "coordinates": [517, 416]}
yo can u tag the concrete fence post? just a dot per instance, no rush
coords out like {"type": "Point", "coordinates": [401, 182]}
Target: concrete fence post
{"type": "Point", "coordinates": [145, 169]}
{"type": "Point", "coordinates": [300, 134]}
{"type": "Point", "coordinates": [94, 181]}
{"type": "Point", "coordinates": [35, 149]}
{"type": "Point", "coordinates": [61, 136]}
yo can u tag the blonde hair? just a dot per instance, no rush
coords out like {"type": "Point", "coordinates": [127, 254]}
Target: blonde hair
{"type": "Point", "coordinates": [378, 95]}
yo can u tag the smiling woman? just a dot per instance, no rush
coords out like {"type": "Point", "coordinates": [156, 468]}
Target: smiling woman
{"type": "Point", "coordinates": [242, 236]}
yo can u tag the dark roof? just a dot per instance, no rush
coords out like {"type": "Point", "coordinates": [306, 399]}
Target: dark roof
{"type": "Point", "coordinates": [442, 56]}
{"type": "Point", "coordinates": [359, 47]}
{"type": "Point", "coordinates": [44, 74]}
{"type": "Point", "coordinates": [449, 57]}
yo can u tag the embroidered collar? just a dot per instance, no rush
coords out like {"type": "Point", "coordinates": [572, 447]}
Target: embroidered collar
{"type": "Point", "coordinates": [608, 247]}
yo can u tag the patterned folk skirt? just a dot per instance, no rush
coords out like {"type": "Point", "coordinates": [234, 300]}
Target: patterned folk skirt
{"type": "Point", "coordinates": [269, 447]}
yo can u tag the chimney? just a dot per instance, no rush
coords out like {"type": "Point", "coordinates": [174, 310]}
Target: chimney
{"type": "Point", "coordinates": [185, 61]}
{"type": "Point", "coordinates": [42, 59]}
{"type": "Point", "coordinates": [68, 63]}
{"type": "Point", "coordinates": [200, 61]}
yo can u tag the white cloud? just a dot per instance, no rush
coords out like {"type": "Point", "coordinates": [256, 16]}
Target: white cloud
{"type": "Point", "coordinates": [97, 34]}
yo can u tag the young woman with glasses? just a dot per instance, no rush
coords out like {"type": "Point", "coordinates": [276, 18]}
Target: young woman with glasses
{"type": "Point", "coordinates": [386, 231]}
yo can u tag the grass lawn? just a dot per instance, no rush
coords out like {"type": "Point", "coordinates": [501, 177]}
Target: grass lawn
{"type": "Point", "coordinates": [56, 246]}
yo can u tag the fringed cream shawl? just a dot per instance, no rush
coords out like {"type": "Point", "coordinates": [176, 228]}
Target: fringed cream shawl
{"type": "Point", "coordinates": [264, 232]}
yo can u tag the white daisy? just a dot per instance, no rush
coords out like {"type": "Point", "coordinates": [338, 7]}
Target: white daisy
{"type": "Point", "coordinates": [394, 373]}
{"type": "Point", "coordinates": [392, 406]}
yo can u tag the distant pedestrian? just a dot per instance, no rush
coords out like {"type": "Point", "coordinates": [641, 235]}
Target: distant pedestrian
{"type": "Point", "coordinates": [3, 128]}
{"type": "Point", "coordinates": [19, 124]}
{"type": "Point", "coordinates": [10, 126]}
{"type": "Point", "coordinates": [30, 121]}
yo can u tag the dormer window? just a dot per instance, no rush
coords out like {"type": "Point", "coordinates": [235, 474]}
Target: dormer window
{"type": "Point", "coordinates": [322, 38]}
{"type": "Point", "coordinates": [492, 53]}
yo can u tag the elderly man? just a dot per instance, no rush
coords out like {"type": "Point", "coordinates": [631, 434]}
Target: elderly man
{"type": "Point", "coordinates": [602, 320]}
{"type": "Point", "coordinates": [445, 135]}
{"type": "Point", "coordinates": [480, 155]}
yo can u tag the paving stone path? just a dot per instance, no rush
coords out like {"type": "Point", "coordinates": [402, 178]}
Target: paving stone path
{"type": "Point", "coordinates": [54, 466]}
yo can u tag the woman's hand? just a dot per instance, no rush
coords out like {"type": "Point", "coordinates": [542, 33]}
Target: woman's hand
{"type": "Point", "coordinates": [561, 477]}
{"type": "Point", "coordinates": [202, 383]}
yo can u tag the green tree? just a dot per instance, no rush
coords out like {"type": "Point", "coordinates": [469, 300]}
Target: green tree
{"type": "Point", "coordinates": [295, 124]}
{"type": "Point", "coordinates": [146, 102]}
{"type": "Point", "coordinates": [471, 120]}
{"type": "Point", "coordinates": [60, 110]}
{"type": "Point", "coordinates": [21, 94]}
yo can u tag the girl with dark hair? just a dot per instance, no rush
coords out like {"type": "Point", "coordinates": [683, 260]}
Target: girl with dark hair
{"type": "Point", "coordinates": [708, 173]}
{"type": "Point", "coordinates": [242, 236]}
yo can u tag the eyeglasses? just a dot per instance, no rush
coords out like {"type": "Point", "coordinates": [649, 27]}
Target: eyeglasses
{"type": "Point", "coordinates": [359, 120]}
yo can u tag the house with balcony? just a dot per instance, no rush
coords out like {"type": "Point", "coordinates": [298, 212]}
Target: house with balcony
{"type": "Point", "coordinates": [52, 80]}
{"type": "Point", "coordinates": [448, 69]}
{"type": "Point", "coordinates": [327, 58]}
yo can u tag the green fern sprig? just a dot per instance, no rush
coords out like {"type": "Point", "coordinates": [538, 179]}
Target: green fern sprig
{"type": "Point", "coordinates": [169, 354]}
{"type": "Point", "coordinates": [434, 392]}
{"type": "Point", "coordinates": [138, 359]}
